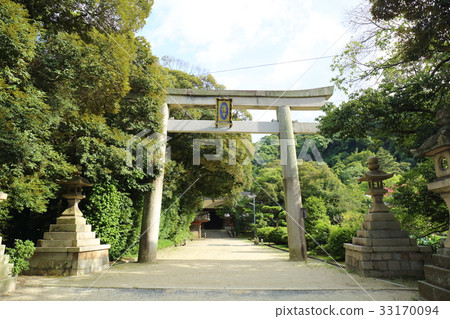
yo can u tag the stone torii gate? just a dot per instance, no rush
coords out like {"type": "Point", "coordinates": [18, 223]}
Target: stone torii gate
{"type": "Point", "coordinates": [283, 102]}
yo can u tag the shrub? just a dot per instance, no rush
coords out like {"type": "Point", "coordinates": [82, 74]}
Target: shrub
{"type": "Point", "coordinates": [336, 240]}
{"type": "Point", "coordinates": [278, 236]}
{"type": "Point", "coordinates": [317, 224]}
{"type": "Point", "coordinates": [264, 231]}
{"type": "Point", "coordinates": [434, 241]}
{"type": "Point", "coordinates": [110, 213]}
{"type": "Point", "coordinates": [320, 233]}
{"type": "Point", "coordinates": [20, 254]}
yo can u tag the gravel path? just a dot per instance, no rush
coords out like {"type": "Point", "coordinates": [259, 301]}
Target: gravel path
{"type": "Point", "coordinates": [214, 269]}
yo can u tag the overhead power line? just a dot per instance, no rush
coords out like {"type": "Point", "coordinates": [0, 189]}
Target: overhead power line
{"type": "Point", "coordinates": [269, 64]}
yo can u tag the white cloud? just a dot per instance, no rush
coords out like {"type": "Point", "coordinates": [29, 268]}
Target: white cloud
{"type": "Point", "coordinates": [215, 32]}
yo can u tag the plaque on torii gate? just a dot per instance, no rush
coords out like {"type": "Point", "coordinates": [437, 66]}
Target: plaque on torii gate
{"type": "Point", "coordinates": [283, 102]}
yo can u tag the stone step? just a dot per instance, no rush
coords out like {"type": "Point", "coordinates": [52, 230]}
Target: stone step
{"type": "Point", "coordinates": [70, 228]}
{"type": "Point", "coordinates": [2, 249]}
{"type": "Point", "coordinates": [432, 292]}
{"type": "Point", "coordinates": [5, 270]}
{"type": "Point", "coordinates": [7, 284]}
{"type": "Point", "coordinates": [382, 249]}
{"type": "Point", "coordinates": [4, 259]}
{"type": "Point", "coordinates": [68, 235]}
{"type": "Point", "coordinates": [381, 225]}
{"type": "Point", "coordinates": [75, 220]}
{"type": "Point", "coordinates": [379, 217]}
{"type": "Point", "coordinates": [69, 243]}
{"type": "Point", "coordinates": [438, 276]}
{"type": "Point", "coordinates": [382, 233]}
{"type": "Point", "coordinates": [54, 243]}
{"type": "Point", "coordinates": [385, 242]}
{"type": "Point", "coordinates": [444, 251]}
{"type": "Point", "coordinates": [442, 261]}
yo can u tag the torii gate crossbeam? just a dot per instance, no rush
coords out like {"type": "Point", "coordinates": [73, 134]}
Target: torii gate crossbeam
{"type": "Point", "coordinates": [281, 101]}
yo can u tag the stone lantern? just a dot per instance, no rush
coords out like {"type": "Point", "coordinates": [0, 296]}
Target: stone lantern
{"type": "Point", "coordinates": [7, 281]}
{"type": "Point", "coordinates": [74, 188]}
{"type": "Point", "coordinates": [437, 284]}
{"type": "Point", "coordinates": [70, 248]}
{"type": "Point", "coordinates": [382, 248]}
{"type": "Point", "coordinates": [375, 179]}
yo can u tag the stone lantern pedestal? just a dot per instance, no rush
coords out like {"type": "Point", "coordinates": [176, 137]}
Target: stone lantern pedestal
{"type": "Point", "coordinates": [7, 281]}
{"type": "Point", "coordinates": [70, 247]}
{"type": "Point", "coordinates": [382, 248]}
{"type": "Point", "coordinates": [437, 275]}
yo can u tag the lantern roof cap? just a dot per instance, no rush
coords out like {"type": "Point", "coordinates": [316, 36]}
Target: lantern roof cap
{"type": "Point", "coordinates": [374, 175]}
{"type": "Point", "coordinates": [76, 180]}
{"type": "Point", "coordinates": [439, 141]}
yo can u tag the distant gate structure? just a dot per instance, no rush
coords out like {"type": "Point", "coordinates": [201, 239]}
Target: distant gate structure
{"type": "Point", "coordinates": [283, 102]}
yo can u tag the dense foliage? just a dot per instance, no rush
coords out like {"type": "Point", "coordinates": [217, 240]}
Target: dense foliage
{"type": "Point", "coordinates": [75, 85]}
{"type": "Point", "coordinates": [398, 70]}
{"type": "Point", "coordinates": [19, 255]}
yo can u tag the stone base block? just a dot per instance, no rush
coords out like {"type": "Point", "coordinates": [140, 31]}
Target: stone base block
{"type": "Point", "coordinates": [5, 270]}
{"type": "Point", "coordinates": [7, 281]}
{"type": "Point", "coordinates": [381, 225]}
{"type": "Point", "coordinates": [68, 262]}
{"type": "Point", "coordinates": [383, 242]}
{"type": "Point", "coordinates": [7, 284]}
{"type": "Point", "coordinates": [438, 276]}
{"type": "Point", "coordinates": [4, 259]}
{"type": "Point", "coordinates": [429, 291]}
{"type": "Point", "coordinates": [382, 233]}
{"type": "Point", "coordinates": [386, 263]}
{"type": "Point", "coordinates": [375, 217]}
{"type": "Point", "coordinates": [437, 284]}
{"type": "Point", "coordinates": [441, 261]}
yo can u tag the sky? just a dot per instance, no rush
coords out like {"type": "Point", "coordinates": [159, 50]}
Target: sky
{"type": "Point", "coordinates": [223, 35]}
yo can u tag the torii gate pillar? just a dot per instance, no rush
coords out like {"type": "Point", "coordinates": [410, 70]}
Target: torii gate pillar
{"type": "Point", "coordinates": [148, 243]}
{"type": "Point", "coordinates": [292, 195]}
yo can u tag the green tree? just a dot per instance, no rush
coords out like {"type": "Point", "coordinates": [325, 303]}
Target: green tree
{"type": "Point", "coordinates": [319, 180]}
{"type": "Point", "coordinates": [404, 83]}
{"type": "Point", "coordinates": [420, 211]}
{"type": "Point", "coordinates": [28, 161]}
{"type": "Point", "coordinates": [63, 79]}
{"type": "Point", "coordinates": [424, 29]}
{"type": "Point", "coordinates": [268, 184]}
{"type": "Point", "coordinates": [82, 16]}
{"type": "Point", "coordinates": [411, 70]}
{"type": "Point", "coordinates": [317, 224]}
{"type": "Point", "coordinates": [274, 216]}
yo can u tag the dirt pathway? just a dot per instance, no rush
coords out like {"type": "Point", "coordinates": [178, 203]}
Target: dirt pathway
{"type": "Point", "coordinates": [214, 269]}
